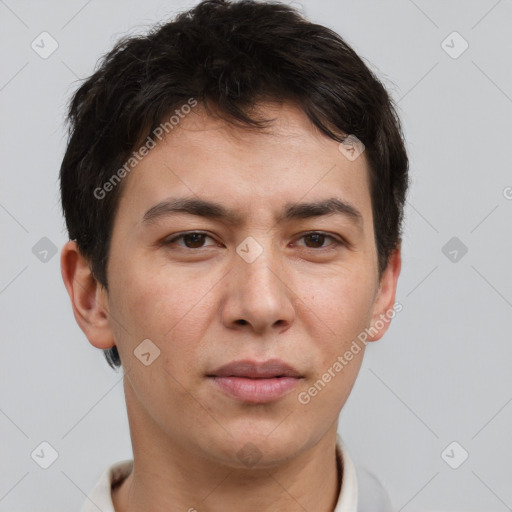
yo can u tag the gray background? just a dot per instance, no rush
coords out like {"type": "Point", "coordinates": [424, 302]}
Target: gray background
{"type": "Point", "coordinates": [441, 374]}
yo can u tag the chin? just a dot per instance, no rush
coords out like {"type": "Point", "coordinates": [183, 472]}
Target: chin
{"type": "Point", "coordinates": [259, 446]}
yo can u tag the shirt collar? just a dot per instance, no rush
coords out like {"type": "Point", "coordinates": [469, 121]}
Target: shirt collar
{"type": "Point", "coordinates": [347, 499]}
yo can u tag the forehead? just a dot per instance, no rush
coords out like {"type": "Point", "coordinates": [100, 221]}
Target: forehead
{"type": "Point", "coordinates": [251, 170]}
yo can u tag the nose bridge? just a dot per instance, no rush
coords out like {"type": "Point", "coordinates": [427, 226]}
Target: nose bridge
{"type": "Point", "coordinates": [258, 294]}
{"type": "Point", "coordinates": [256, 265]}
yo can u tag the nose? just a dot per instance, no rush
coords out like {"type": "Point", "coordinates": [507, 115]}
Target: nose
{"type": "Point", "coordinates": [258, 296]}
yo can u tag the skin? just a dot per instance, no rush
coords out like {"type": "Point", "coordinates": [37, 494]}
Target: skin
{"type": "Point", "coordinates": [303, 301]}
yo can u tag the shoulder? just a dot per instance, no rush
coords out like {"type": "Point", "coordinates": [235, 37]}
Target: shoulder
{"type": "Point", "coordinates": [101, 495]}
{"type": "Point", "coordinates": [372, 495]}
{"type": "Point", "coordinates": [361, 490]}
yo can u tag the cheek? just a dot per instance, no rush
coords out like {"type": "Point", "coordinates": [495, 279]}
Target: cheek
{"type": "Point", "coordinates": [170, 308]}
{"type": "Point", "coordinates": [342, 303]}
{"type": "Point", "coordinates": [339, 310]}
{"type": "Point", "coordinates": [153, 299]}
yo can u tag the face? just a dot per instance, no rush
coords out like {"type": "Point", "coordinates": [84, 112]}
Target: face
{"type": "Point", "coordinates": [270, 282]}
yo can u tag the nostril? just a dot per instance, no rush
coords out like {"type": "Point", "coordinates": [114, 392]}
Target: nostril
{"type": "Point", "coordinates": [241, 322]}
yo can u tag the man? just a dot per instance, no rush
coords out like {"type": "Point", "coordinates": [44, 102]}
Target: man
{"type": "Point", "coordinates": [233, 189]}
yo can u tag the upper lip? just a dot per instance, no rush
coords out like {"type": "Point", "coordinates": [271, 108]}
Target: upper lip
{"type": "Point", "coordinates": [254, 370]}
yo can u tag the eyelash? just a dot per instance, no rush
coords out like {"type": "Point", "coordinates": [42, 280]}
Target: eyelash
{"type": "Point", "coordinates": [331, 246]}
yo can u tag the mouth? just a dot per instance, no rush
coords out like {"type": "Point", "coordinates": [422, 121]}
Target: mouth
{"type": "Point", "coordinates": [256, 383]}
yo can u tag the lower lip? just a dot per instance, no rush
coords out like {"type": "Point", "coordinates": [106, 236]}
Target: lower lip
{"type": "Point", "coordinates": [256, 391]}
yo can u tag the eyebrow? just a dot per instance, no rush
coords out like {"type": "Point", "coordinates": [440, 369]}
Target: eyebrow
{"type": "Point", "coordinates": [217, 211]}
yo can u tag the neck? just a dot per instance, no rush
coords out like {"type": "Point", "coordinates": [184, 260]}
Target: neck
{"type": "Point", "coordinates": [169, 477]}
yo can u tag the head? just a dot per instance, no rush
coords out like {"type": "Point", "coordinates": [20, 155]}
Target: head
{"type": "Point", "coordinates": [249, 106]}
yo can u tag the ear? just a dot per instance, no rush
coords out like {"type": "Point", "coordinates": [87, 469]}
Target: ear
{"type": "Point", "coordinates": [88, 297]}
{"type": "Point", "coordinates": [384, 309]}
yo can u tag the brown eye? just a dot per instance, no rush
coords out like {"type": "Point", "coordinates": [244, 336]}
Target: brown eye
{"type": "Point", "coordinates": [194, 240]}
{"type": "Point", "coordinates": [317, 240]}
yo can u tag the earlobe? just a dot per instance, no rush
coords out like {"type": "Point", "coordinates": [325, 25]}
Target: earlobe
{"type": "Point", "coordinates": [384, 309]}
{"type": "Point", "coordinates": [86, 297]}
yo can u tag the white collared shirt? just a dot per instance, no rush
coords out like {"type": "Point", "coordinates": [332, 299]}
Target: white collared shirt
{"type": "Point", "coordinates": [360, 491]}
